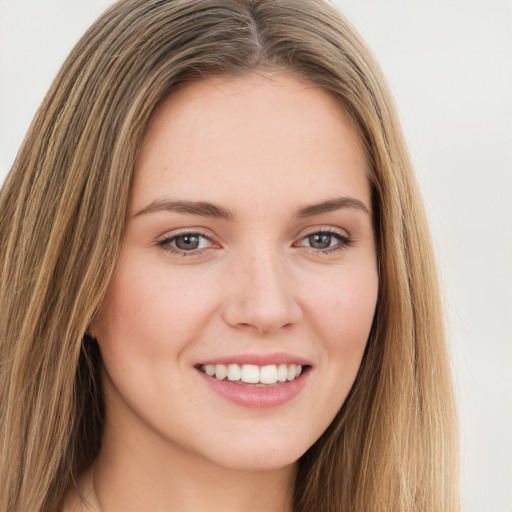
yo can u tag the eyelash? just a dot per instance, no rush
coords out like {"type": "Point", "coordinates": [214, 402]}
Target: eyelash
{"type": "Point", "coordinates": [166, 243]}
{"type": "Point", "coordinates": [343, 239]}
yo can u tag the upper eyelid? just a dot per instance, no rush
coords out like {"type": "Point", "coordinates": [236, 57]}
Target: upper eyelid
{"type": "Point", "coordinates": [339, 233]}
{"type": "Point", "coordinates": [187, 231]}
{"type": "Point", "coordinates": [342, 237]}
{"type": "Point", "coordinates": [321, 229]}
{"type": "Point", "coordinates": [165, 243]}
{"type": "Point", "coordinates": [343, 242]}
{"type": "Point", "coordinates": [206, 233]}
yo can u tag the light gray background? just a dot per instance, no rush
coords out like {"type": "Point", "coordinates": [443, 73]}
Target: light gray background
{"type": "Point", "coordinates": [449, 63]}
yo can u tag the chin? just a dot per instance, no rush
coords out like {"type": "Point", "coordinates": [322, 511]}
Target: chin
{"type": "Point", "coordinates": [257, 462]}
{"type": "Point", "coordinates": [260, 453]}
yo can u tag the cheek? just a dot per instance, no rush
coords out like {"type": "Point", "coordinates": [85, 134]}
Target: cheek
{"type": "Point", "coordinates": [344, 307]}
{"type": "Point", "coordinates": [342, 316]}
{"type": "Point", "coordinates": [341, 311]}
{"type": "Point", "coordinates": [149, 311]}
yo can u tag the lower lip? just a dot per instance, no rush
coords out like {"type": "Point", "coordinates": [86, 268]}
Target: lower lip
{"type": "Point", "coordinates": [257, 397]}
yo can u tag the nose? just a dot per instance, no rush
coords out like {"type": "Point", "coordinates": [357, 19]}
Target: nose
{"type": "Point", "coordinates": [260, 295]}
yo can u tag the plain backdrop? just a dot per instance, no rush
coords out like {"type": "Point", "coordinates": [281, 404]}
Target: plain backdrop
{"type": "Point", "coordinates": [449, 64]}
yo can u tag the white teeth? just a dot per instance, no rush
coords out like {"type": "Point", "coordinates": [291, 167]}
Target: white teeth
{"type": "Point", "coordinates": [268, 374]}
{"type": "Point", "coordinates": [233, 372]}
{"type": "Point", "coordinates": [220, 371]}
{"type": "Point", "coordinates": [282, 373]}
{"type": "Point", "coordinates": [250, 373]}
{"type": "Point", "coordinates": [254, 374]}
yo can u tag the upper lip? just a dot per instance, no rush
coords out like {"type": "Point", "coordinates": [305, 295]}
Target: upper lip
{"type": "Point", "coordinates": [258, 359]}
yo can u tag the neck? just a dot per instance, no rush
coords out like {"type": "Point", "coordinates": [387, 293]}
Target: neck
{"type": "Point", "coordinates": [134, 488]}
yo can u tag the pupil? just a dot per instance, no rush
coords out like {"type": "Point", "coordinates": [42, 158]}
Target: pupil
{"type": "Point", "coordinates": [187, 242]}
{"type": "Point", "coordinates": [320, 240]}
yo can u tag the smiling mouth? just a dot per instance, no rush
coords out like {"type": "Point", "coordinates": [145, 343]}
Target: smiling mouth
{"type": "Point", "coordinates": [267, 375]}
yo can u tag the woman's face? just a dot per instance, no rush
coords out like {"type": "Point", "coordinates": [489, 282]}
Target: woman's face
{"type": "Point", "coordinates": [248, 251]}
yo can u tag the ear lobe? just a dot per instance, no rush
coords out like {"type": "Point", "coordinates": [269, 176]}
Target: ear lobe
{"type": "Point", "coordinates": [94, 327]}
{"type": "Point", "coordinates": [90, 331]}
{"type": "Point", "coordinates": [89, 335]}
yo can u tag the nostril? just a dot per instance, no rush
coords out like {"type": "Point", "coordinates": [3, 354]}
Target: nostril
{"type": "Point", "coordinates": [261, 315]}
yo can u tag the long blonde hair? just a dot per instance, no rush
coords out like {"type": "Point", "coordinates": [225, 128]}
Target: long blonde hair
{"type": "Point", "coordinates": [392, 447]}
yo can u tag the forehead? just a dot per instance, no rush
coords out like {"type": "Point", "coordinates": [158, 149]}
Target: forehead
{"type": "Point", "coordinates": [259, 129]}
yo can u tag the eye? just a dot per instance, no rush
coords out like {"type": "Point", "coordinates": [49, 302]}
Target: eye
{"type": "Point", "coordinates": [321, 240]}
{"type": "Point", "coordinates": [186, 244]}
{"type": "Point", "coordinates": [325, 241]}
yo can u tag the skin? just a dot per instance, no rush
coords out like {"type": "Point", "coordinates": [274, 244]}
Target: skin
{"type": "Point", "coordinates": [260, 147]}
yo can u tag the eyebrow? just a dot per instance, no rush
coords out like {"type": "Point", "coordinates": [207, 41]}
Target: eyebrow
{"type": "Point", "coordinates": [205, 209]}
{"type": "Point", "coordinates": [200, 208]}
{"type": "Point", "coordinates": [330, 206]}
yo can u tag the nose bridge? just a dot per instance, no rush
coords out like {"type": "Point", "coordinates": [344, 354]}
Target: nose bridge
{"type": "Point", "coordinates": [262, 296]}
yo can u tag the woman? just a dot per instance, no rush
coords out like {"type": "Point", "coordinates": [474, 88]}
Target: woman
{"type": "Point", "coordinates": [218, 286]}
